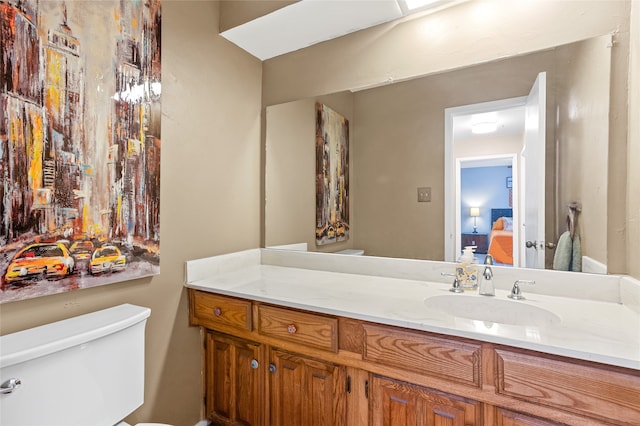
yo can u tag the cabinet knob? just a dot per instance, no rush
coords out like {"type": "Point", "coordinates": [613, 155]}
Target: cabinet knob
{"type": "Point", "coordinates": [272, 368]}
{"type": "Point", "coordinates": [217, 312]}
{"type": "Point", "coordinates": [254, 364]}
{"type": "Point", "coordinates": [292, 329]}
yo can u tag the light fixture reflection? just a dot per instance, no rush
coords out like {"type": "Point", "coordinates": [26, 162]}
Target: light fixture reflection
{"type": "Point", "coordinates": [484, 127]}
{"type": "Point", "coordinates": [486, 327]}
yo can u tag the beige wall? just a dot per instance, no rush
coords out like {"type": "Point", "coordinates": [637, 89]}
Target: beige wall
{"type": "Point", "coordinates": [234, 12]}
{"type": "Point", "coordinates": [583, 123]}
{"type": "Point", "coordinates": [289, 174]}
{"type": "Point", "coordinates": [633, 157]}
{"type": "Point", "coordinates": [210, 203]}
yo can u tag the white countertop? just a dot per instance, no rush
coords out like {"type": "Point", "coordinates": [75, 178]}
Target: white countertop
{"type": "Point", "coordinates": [601, 331]}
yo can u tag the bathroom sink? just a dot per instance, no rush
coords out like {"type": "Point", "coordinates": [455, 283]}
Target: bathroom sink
{"type": "Point", "coordinates": [490, 309]}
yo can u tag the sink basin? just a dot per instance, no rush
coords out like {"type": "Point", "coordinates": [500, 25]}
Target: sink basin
{"type": "Point", "coordinates": [490, 309]}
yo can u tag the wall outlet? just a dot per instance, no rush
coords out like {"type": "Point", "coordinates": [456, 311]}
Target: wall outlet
{"type": "Point", "coordinates": [424, 194]}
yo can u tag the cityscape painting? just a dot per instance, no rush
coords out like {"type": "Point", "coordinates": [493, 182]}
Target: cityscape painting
{"type": "Point", "coordinates": [80, 144]}
{"type": "Point", "coordinates": [332, 176]}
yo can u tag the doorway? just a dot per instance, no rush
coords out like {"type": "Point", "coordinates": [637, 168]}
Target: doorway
{"type": "Point", "coordinates": [467, 149]}
{"type": "Point", "coordinates": [487, 201]}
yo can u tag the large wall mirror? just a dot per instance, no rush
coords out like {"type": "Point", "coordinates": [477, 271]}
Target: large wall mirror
{"type": "Point", "coordinates": [403, 138]}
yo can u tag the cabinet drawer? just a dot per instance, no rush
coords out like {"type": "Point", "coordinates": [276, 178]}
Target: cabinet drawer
{"type": "Point", "coordinates": [299, 327]}
{"type": "Point", "coordinates": [430, 355]}
{"type": "Point", "coordinates": [512, 418]}
{"type": "Point", "coordinates": [572, 387]}
{"type": "Point", "coordinates": [220, 312]}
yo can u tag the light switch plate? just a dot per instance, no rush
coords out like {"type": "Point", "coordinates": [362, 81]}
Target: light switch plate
{"type": "Point", "coordinates": [424, 194]}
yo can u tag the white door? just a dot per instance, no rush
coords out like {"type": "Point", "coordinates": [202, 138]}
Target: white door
{"type": "Point", "coordinates": [533, 167]}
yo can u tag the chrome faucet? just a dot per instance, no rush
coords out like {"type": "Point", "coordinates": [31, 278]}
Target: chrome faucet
{"type": "Point", "coordinates": [516, 293]}
{"type": "Point", "coordinates": [486, 281]}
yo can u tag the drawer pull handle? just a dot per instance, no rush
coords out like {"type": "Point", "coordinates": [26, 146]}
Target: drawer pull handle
{"type": "Point", "coordinates": [217, 312]}
{"type": "Point", "coordinates": [292, 329]}
{"type": "Point", "coordinates": [272, 368]}
{"type": "Point", "coordinates": [254, 364]}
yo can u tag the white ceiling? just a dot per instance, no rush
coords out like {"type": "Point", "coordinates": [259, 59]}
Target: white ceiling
{"type": "Point", "coordinates": [308, 22]}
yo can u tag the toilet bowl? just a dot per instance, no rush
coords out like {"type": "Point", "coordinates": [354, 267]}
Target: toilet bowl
{"type": "Point", "coordinates": [86, 370]}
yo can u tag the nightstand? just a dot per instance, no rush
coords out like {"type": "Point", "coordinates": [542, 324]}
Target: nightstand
{"type": "Point", "coordinates": [481, 241]}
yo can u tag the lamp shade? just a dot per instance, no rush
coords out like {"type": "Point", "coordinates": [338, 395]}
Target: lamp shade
{"type": "Point", "coordinates": [474, 211]}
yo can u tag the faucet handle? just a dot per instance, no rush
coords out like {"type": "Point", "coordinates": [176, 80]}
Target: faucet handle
{"type": "Point", "coordinates": [488, 260]}
{"type": "Point", "coordinates": [457, 285]}
{"type": "Point", "coordinates": [516, 293]}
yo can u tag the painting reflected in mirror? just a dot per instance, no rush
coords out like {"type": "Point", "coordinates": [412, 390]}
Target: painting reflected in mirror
{"type": "Point", "coordinates": [332, 176]}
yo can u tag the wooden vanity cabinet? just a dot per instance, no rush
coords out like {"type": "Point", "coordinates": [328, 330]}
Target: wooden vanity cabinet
{"type": "Point", "coordinates": [269, 365]}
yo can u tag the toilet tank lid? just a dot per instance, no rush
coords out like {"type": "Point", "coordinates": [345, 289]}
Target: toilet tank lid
{"type": "Point", "coordinates": [35, 342]}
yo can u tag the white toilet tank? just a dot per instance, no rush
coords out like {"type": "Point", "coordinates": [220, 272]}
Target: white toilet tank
{"type": "Point", "coordinates": [87, 370]}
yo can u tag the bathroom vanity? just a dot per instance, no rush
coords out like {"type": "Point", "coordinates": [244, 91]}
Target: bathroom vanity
{"type": "Point", "coordinates": [315, 339]}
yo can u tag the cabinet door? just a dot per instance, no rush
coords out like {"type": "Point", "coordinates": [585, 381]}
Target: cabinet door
{"type": "Point", "coordinates": [396, 403]}
{"type": "Point", "coordinates": [305, 391]}
{"type": "Point", "coordinates": [234, 380]}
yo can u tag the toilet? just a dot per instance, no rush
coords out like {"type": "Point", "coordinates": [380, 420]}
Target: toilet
{"type": "Point", "coordinates": [86, 370]}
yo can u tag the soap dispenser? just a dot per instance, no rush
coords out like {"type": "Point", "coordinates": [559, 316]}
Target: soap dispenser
{"type": "Point", "coordinates": [467, 269]}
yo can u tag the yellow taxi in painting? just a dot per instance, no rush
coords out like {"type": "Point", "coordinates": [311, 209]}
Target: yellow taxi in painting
{"type": "Point", "coordinates": [40, 261]}
{"type": "Point", "coordinates": [107, 259]}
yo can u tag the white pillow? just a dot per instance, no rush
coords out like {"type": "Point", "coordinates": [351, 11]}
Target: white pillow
{"type": "Point", "coordinates": [507, 223]}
